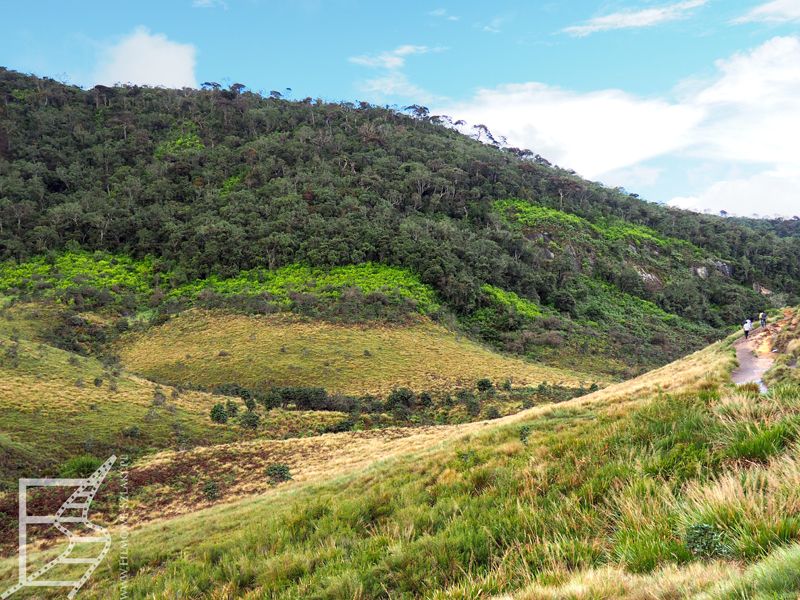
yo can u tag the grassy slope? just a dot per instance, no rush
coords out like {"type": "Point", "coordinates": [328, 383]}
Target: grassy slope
{"type": "Point", "coordinates": [482, 512]}
{"type": "Point", "coordinates": [49, 394]}
{"type": "Point", "coordinates": [355, 359]}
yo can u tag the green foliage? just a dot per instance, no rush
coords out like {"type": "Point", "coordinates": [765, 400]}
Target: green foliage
{"type": "Point", "coordinates": [331, 283]}
{"type": "Point", "coordinates": [522, 306]}
{"type": "Point", "coordinates": [249, 420]}
{"type": "Point", "coordinates": [278, 473]}
{"type": "Point", "coordinates": [524, 433]}
{"type": "Point", "coordinates": [211, 490]}
{"type": "Point", "coordinates": [754, 442]}
{"type": "Point", "coordinates": [538, 216]}
{"type": "Point", "coordinates": [219, 413]}
{"type": "Point", "coordinates": [493, 413]}
{"type": "Point", "coordinates": [705, 541]}
{"type": "Point", "coordinates": [58, 272]}
{"type": "Point", "coordinates": [484, 385]}
{"type": "Point", "coordinates": [80, 466]}
{"type": "Point", "coordinates": [184, 145]}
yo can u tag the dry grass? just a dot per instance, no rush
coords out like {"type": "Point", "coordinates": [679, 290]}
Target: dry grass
{"type": "Point", "coordinates": [239, 468]}
{"type": "Point", "coordinates": [316, 459]}
{"type": "Point", "coordinates": [264, 351]}
{"type": "Point", "coordinates": [668, 583]}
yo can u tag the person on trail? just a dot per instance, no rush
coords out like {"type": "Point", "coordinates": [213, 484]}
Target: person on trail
{"type": "Point", "coordinates": [763, 318]}
{"type": "Point", "coordinates": [748, 326]}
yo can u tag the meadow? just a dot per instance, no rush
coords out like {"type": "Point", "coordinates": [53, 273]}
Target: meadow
{"type": "Point", "coordinates": [213, 348]}
{"type": "Point", "coordinates": [676, 480]}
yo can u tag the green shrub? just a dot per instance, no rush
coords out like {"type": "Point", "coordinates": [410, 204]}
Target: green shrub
{"type": "Point", "coordinates": [249, 420]}
{"type": "Point", "coordinates": [470, 402]}
{"type": "Point", "coordinates": [525, 433]}
{"type": "Point", "coordinates": [231, 408]}
{"type": "Point", "coordinates": [484, 385]}
{"type": "Point", "coordinates": [132, 432]}
{"type": "Point", "coordinates": [425, 399]}
{"type": "Point", "coordinates": [705, 541]}
{"type": "Point", "coordinates": [400, 398]}
{"type": "Point", "coordinates": [210, 490]}
{"type": "Point", "coordinates": [493, 413]}
{"type": "Point", "coordinates": [278, 473]}
{"type": "Point", "coordinates": [218, 413]}
{"type": "Point", "coordinates": [80, 466]}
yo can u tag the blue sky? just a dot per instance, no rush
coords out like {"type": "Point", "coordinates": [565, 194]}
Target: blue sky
{"type": "Point", "coordinates": [691, 102]}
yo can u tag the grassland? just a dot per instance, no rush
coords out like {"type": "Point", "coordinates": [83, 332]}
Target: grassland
{"type": "Point", "coordinates": [596, 491]}
{"type": "Point", "coordinates": [212, 348]}
{"type": "Point", "coordinates": [48, 394]}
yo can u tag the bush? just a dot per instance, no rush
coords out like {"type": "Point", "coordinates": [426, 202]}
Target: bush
{"type": "Point", "coordinates": [303, 398]}
{"type": "Point", "coordinates": [233, 389]}
{"type": "Point", "coordinates": [278, 473]}
{"type": "Point", "coordinates": [249, 420]}
{"type": "Point", "coordinates": [159, 398]}
{"type": "Point", "coordinates": [400, 398]}
{"type": "Point", "coordinates": [425, 399]}
{"type": "Point", "coordinates": [218, 413]}
{"type": "Point", "coordinates": [493, 413]}
{"type": "Point", "coordinates": [211, 490]}
{"type": "Point", "coordinates": [250, 404]}
{"type": "Point", "coordinates": [80, 466]}
{"type": "Point", "coordinates": [525, 433]}
{"type": "Point", "coordinates": [705, 541]}
{"type": "Point", "coordinates": [231, 408]}
{"type": "Point", "coordinates": [484, 385]}
{"type": "Point", "coordinates": [470, 402]}
{"type": "Point", "coordinates": [132, 432]}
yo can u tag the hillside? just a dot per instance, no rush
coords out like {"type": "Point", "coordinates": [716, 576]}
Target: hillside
{"type": "Point", "coordinates": [349, 352]}
{"type": "Point", "coordinates": [677, 482]}
{"type": "Point", "coordinates": [258, 353]}
{"type": "Point", "coordinates": [206, 192]}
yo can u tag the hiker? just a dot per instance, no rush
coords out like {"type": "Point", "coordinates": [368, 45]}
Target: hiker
{"type": "Point", "coordinates": [763, 318]}
{"type": "Point", "coordinates": [748, 325]}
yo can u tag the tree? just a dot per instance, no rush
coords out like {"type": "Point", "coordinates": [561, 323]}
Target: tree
{"type": "Point", "coordinates": [218, 413]}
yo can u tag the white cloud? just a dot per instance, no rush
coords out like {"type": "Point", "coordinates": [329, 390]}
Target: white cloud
{"type": "Point", "coordinates": [443, 14]}
{"type": "Point", "coordinates": [630, 19]}
{"type": "Point", "coordinates": [767, 194]}
{"type": "Point", "coordinates": [393, 82]}
{"type": "Point", "coordinates": [393, 59]}
{"type": "Point", "coordinates": [633, 177]}
{"type": "Point", "coordinates": [594, 132]}
{"type": "Point", "coordinates": [147, 59]}
{"type": "Point", "coordinates": [748, 114]}
{"type": "Point", "coordinates": [495, 25]}
{"type": "Point", "coordinates": [777, 11]}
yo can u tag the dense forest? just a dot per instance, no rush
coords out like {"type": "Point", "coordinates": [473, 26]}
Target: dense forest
{"type": "Point", "coordinates": [212, 183]}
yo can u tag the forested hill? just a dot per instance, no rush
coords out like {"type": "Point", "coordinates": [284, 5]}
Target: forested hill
{"type": "Point", "coordinates": [203, 185]}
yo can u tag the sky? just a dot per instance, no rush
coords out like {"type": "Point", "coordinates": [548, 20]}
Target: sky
{"type": "Point", "coordinates": [693, 103]}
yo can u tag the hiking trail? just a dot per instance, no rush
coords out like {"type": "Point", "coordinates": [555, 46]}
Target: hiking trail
{"type": "Point", "coordinates": [754, 357]}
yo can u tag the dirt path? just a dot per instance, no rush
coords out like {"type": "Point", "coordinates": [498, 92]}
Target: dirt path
{"type": "Point", "coordinates": [753, 361]}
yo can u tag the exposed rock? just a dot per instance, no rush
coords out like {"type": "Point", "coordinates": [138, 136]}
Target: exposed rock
{"type": "Point", "coordinates": [651, 281]}
{"type": "Point", "coordinates": [723, 268]}
{"type": "Point", "coordinates": [757, 287]}
{"type": "Point", "coordinates": [701, 272]}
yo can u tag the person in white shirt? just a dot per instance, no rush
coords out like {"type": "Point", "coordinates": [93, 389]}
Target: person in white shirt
{"type": "Point", "coordinates": [748, 326]}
